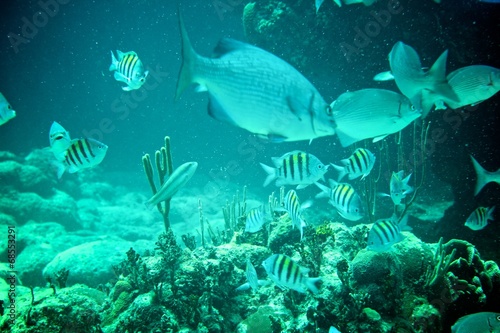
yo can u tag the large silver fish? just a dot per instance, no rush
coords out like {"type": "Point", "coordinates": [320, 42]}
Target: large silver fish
{"type": "Point", "coordinates": [6, 112]}
{"type": "Point", "coordinates": [480, 322]}
{"type": "Point", "coordinates": [255, 90]}
{"type": "Point", "coordinates": [371, 113]}
{"type": "Point", "coordinates": [173, 184]}
{"type": "Point", "coordinates": [406, 69]}
{"type": "Point", "coordinates": [472, 84]}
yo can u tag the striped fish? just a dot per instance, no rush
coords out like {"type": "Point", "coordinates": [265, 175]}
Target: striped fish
{"type": "Point", "coordinates": [128, 69]}
{"type": "Point", "coordinates": [295, 168]}
{"type": "Point", "coordinates": [252, 279]}
{"type": "Point", "coordinates": [6, 112]}
{"type": "Point", "coordinates": [288, 274]}
{"type": "Point", "coordinates": [386, 232]}
{"type": "Point", "coordinates": [478, 219]}
{"type": "Point", "coordinates": [344, 198]}
{"type": "Point", "coordinates": [256, 218]}
{"type": "Point", "coordinates": [82, 154]}
{"type": "Point", "coordinates": [255, 90]}
{"type": "Point", "coordinates": [360, 163]}
{"type": "Point", "coordinates": [173, 184]}
{"type": "Point", "coordinates": [294, 209]}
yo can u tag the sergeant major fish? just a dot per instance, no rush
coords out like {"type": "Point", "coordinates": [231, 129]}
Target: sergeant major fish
{"type": "Point", "coordinates": [294, 209]}
{"type": "Point", "coordinates": [256, 218]}
{"type": "Point", "coordinates": [295, 168]}
{"type": "Point", "coordinates": [479, 218]}
{"type": "Point", "coordinates": [484, 177]}
{"type": "Point", "coordinates": [343, 198]}
{"type": "Point", "coordinates": [128, 69]}
{"type": "Point", "coordinates": [255, 90]}
{"type": "Point", "coordinates": [6, 112]}
{"type": "Point", "coordinates": [173, 184]}
{"type": "Point", "coordinates": [371, 113]}
{"type": "Point", "coordinates": [399, 187]}
{"type": "Point", "coordinates": [81, 154]}
{"type": "Point", "coordinates": [386, 232]}
{"type": "Point", "coordinates": [360, 163]}
{"type": "Point", "coordinates": [288, 274]}
{"type": "Point", "coordinates": [406, 69]}
{"type": "Point", "coordinates": [252, 279]}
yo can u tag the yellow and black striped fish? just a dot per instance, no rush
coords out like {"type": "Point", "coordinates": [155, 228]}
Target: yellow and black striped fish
{"type": "Point", "coordinates": [478, 219]}
{"type": "Point", "coordinates": [344, 198]}
{"type": "Point", "coordinates": [128, 69]}
{"type": "Point", "coordinates": [288, 274]}
{"type": "Point", "coordinates": [82, 154]}
{"type": "Point", "coordinates": [360, 163]}
{"type": "Point", "coordinates": [386, 232]}
{"type": "Point", "coordinates": [295, 168]}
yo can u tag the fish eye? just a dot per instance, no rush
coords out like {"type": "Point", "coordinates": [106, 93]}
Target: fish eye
{"type": "Point", "coordinates": [328, 110]}
{"type": "Point", "coordinates": [498, 317]}
{"type": "Point", "coordinates": [320, 166]}
{"type": "Point", "coordinates": [412, 107]}
{"type": "Point", "coordinates": [9, 107]}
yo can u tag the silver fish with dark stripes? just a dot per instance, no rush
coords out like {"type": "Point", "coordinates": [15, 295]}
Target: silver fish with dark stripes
{"type": "Point", "coordinates": [360, 163]}
{"type": "Point", "coordinates": [294, 209]}
{"type": "Point", "coordinates": [386, 232]}
{"type": "Point", "coordinates": [295, 168]}
{"type": "Point", "coordinates": [255, 90]}
{"type": "Point", "coordinates": [6, 112]}
{"type": "Point", "coordinates": [128, 69]}
{"type": "Point", "coordinates": [288, 274]}
{"type": "Point", "coordinates": [173, 184]}
{"type": "Point", "coordinates": [479, 218]}
{"type": "Point", "coordinates": [256, 218]}
{"type": "Point", "coordinates": [82, 154]}
{"type": "Point", "coordinates": [344, 198]}
{"type": "Point", "coordinates": [252, 279]}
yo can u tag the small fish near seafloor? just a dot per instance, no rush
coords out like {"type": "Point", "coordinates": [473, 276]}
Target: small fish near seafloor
{"type": "Point", "coordinates": [294, 209]}
{"type": "Point", "coordinates": [295, 168]}
{"type": "Point", "coordinates": [386, 232]}
{"type": "Point", "coordinates": [128, 69]}
{"type": "Point", "coordinates": [173, 184]}
{"type": "Point", "coordinates": [481, 322]}
{"type": "Point", "coordinates": [252, 279]}
{"type": "Point", "coordinates": [479, 218]}
{"type": "Point", "coordinates": [81, 154]}
{"type": "Point", "coordinates": [255, 90]}
{"type": "Point", "coordinates": [371, 113]}
{"type": "Point", "coordinates": [6, 112]}
{"type": "Point", "coordinates": [343, 198]}
{"type": "Point", "coordinates": [256, 218]}
{"type": "Point", "coordinates": [412, 81]}
{"type": "Point", "coordinates": [360, 163]}
{"type": "Point", "coordinates": [288, 274]}
{"type": "Point", "coordinates": [484, 177]}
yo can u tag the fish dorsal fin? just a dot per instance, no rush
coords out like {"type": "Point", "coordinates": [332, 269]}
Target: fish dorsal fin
{"type": "Point", "coordinates": [438, 69]}
{"type": "Point", "coordinates": [228, 45]}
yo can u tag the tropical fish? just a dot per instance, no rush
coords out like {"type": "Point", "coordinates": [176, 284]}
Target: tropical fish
{"type": "Point", "coordinates": [256, 218]}
{"type": "Point", "coordinates": [295, 168]}
{"type": "Point", "coordinates": [81, 154]}
{"type": "Point", "coordinates": [292, 206]}
{"type": "Point", "coordinates": [360, 163]}
{"type": "Point", "coordinates": [479, 218]}
{"type": "Point", "coordinates": [288, 274]}
{"type": "Point", "coordinates": [472, 84]}
{"type": "Point", "coordinates": [371, 113]}
{"type": "Point", "coordinates": [253, 89]}
{"type": "Point", "coordinates": [411, 80]}
{"type": "Point", "coordinates": [252, 279]}
{"type": "Point", "coordinates": [128, 69]}
{"type": "Point", "coordinates": [484, 177]}
{"type": "Point", "coordinates": [173, 184]}
{"type": "Point", "coordinates": [399, 187]}
{"type": "Point", "coordinates": [481, 322]}
{"type": "Point", "coordinates": [344, 198]}
{"type": "Point", "coordinates": [386, 232]}
{"type": "Point", "coordinates": [59, 141]}
{"type": "Point", "coordinates": [6, 112]}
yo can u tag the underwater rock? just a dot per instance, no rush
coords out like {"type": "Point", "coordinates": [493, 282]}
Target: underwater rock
{"type": "Point", "coordinates": [73, 309]}
{"type": "Point", "coordinates": [24, 178]}
{"type": "Point", "coordinates": [91, 263]}
{"type": "Point", "coordinates": [263, 320]}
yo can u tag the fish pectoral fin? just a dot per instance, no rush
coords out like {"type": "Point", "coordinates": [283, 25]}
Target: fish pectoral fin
{"type": "Point", "coordinates": [127, 88]}
{"type": "Point", "coordinates": [120, 77]}
{"type": "Point", "coordinates": [384, 76]}
{"type": "Point", "coordinates": [276, 138]}
{"type": "Point", "coordinates": [295, 106]}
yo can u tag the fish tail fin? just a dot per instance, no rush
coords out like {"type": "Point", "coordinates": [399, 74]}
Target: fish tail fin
{"type": "Point", "coordinates": [438, 72]}
{"type": "Point", "coordinates": [341, 170]}
{"type": "Point", "coordinates": [61, 168]}
{"type": "Point", "coordinates": [114, 62]}
{"type": "Point", "coordinates": [489, 213]}
{"type": "Point", "coordinates": [313, 284]}
{"type": "Point", "coordinates": [481, 174]}
{"type": "Point", "coordinates": [188, 59]}
{"type": "Point", "coordinates": [271, 174]}
{"type": "Point", "coordinates": [318, 4]}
